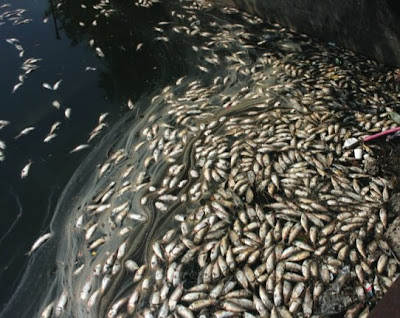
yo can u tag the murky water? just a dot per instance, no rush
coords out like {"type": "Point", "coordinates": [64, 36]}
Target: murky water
{"type": "Point", "coordinates": [226, 192]}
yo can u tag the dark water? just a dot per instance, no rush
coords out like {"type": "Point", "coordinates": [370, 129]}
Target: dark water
{"type": "Point", "coordinates": [27, 205]}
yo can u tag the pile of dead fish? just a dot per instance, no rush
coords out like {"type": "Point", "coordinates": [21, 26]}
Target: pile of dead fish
{"type": "Point", "coordinates": [242, 187]}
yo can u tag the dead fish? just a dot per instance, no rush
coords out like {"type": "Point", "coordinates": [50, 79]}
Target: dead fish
{"type": "Point", "coordinates": [102, 117]}
{"type": "Point", "coordinates": [24, 132]}
{"type": "Point", "coordinates": [92, 136]}
{"type": "Point", "coordinates": [16, 87]}
{"type": "Point", "coordinates": [99, 52]}
{"type": "Point", "coordinates": [47, 86]}
{"type": "Point", "coordinates": [54, 87]}
{"type": "Point", "coordinates": [96, 131]}
{"type": "Point", "coordinates": [56, 104]}
{"type": "Point", "coordinates": [54, 127]}
{"type": "Point", "coordinates": [49, 137]}
{"type": "Point", "coordinates": [130, 104]}
{"type": "Point", "coordinates": [139, 46]}
{"type": "Point", "coordinates": [4, 123]}
{"type": "Point", "coordinates": [67, 113]}
{"type": "Point", "coordinates": [57, 85]}
{"type": "Point", "coordinates": [39, 242]}
{"type": "Point", "coordinates": [12, 40]}
{"type": "Point", "coordinates": [80, 147]}
{"type": "Point", "coordinates": [25, 170]}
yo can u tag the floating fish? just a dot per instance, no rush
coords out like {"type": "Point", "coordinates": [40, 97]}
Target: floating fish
{"type": "Point", "coordinates": [99, 52]}
{"type": "Point", "coordinates": [41, 240]}
{"type": "Point", "coordinates": [49, 137]}
{"type": "Point", "coordinates": [57, 84]}
{"type": "Point", "coordinates": [92, 136]}
{"type": "Point", "coordinates": [139, 46]}
{"type": "Point", "coordinates": [47, 86]}
{"type": "Point", "coordinates": [25, 170]}
{"type": "Point", "coordinates": [102, 117]}
{"type": "Point", "coordinates": [80, 147]}
{"type": "Point", "coordinates": [96, 131]}
{"type": "Point", "coordinates": [24, 132]}
{"type": "Point", "coordinates": [67, 113]}
{"type": "Point", "coordinates": [52, 88]}
{"type": "Point", "coordinates": [4, 123]}
{"type": "Point", "coordinates": [12, 40]}
{"type": "Point", "coordinates": [56, 104]}
{"type": "Point", "coordinates": [54, 127]}
{"type": "Point", "coordinates": [16, 87]}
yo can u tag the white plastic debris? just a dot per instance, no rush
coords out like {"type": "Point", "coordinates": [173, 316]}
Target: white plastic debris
{"type": "Point", "coordinates": [358, 153]}
{"type": "Point", "coordinates": [350, 142]}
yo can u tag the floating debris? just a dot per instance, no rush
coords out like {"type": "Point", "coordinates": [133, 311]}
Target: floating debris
{"type": "Point", "coordinates": [358, 153]}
